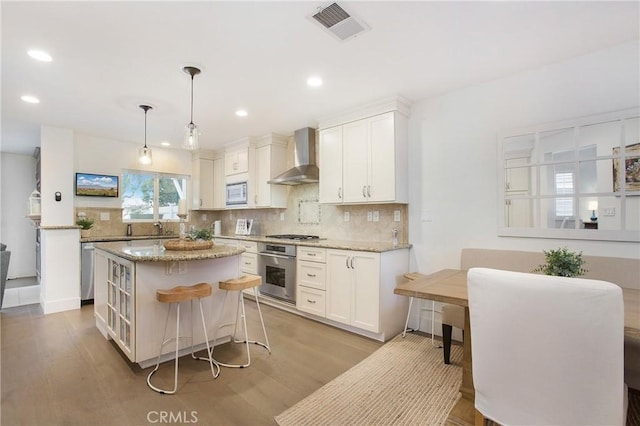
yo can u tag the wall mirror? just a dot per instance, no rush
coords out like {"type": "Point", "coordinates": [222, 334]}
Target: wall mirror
{"type": "Point", "coordinates": [578, 179]}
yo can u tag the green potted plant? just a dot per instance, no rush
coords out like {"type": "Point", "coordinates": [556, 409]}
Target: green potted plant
{"type": "Point", "coordinates": [85, 224]}
{"type": "Point", "coordinates": [201, 234]}
{"type": "Point", "coordinates": [562, 263]}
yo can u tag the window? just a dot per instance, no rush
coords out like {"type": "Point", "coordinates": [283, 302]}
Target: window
{"type": "Point", "coordinates": [149, 197]}
{"type": "Point", "coordinates": [564, 186]}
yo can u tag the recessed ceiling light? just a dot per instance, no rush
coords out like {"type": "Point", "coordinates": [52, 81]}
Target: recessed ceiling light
{"type": "Point", "coordinates": [40, 55]}
{"type": "Point", "coordinates": [314, 82]}
{"type": "Point", "coordinates": [30, 99]}
{"type": "Point", "coordinates": [165, 143]}
{"type": "Point", "coordinates": [241, 113]}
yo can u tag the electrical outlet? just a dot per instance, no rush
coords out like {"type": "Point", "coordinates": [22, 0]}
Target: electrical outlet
{"type": "Point", "coordinates": [369, 216]}
{"type": "Point", "coordinates": [182, 267]}
{"type": "Point", "coordinates": [347, 216]}
{"type": "Point", "coordinates": [396, 215]}
{"type": "Point", "coordinates": [609, 211]}
{"type": "Point", "coordinates": [376, 216]}
{"type": "Point", "coordinates": [282, 216]}
{"type": "Point", "coordinates": [204, 217]}
{"type": "Point", "coordinates": [104, 216]}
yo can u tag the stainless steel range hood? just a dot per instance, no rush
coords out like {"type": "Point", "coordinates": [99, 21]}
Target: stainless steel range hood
{"type": "Point", "coordinates": [305, 169]}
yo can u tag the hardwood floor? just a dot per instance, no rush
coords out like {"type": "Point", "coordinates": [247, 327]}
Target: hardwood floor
{"type": "Point", "coordinates": [58, 369]}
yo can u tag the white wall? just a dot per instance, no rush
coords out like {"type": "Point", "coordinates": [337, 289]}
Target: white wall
{"type": "Point", "coordinates": [99, 155]}
{"type": "Point", "coordinates": [453, 144]}
{"type": "Point", "coordinates": [16, 231]}
{"type": "Point", "coordinates": [56, 160]}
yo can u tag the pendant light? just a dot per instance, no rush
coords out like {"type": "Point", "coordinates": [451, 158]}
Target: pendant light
{"type": "Point", "coordinates": [144, 153]}
{"type": "Point", "coordinates": [191, 136]}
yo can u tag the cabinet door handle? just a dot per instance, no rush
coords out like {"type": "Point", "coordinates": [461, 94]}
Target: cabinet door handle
{"type": "Point", "coordinates": [346, 261]}
{"type": "Point", "coordinates": [369, 190]}
{"type": "Point", "coordinates": [200, 202]}
{"type": "Point", "coordinates": [255, 199]}
{"type": "Point", "coordinates": [340, 192]}
{"type": "Point", "coordinates": [313, 302]}
{"type": "Point", "coordinates": [364, 191]}
{"type": "Point", "coordinates": [351, 263]}
{"type": "Point", "coordinates": [311, 275]}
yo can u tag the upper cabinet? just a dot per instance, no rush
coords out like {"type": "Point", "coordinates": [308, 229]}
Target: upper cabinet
{"type": "Point", "coordinates": [202, 180]}
{"type": "Point", "coordinates": [270, 161]}
{"type": "Point", "coordinates": [255, 161]}
{"type": "Point", "coordinates": [365, 160]}
{"type": "Point", "coordinates": [236, 160]}
{"type": "Point", "coordinates": [330, 187]}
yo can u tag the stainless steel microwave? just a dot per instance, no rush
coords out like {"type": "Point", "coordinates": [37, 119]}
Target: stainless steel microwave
{"type": "Point", "coordinates": [236, 194]}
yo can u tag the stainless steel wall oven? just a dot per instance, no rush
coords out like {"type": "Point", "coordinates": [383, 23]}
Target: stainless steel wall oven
{"type": "Point", "coordinates": [277, 266]}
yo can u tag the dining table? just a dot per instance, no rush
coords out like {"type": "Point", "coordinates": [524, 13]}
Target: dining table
{"type": "Point", "coordinates": [450, 286]}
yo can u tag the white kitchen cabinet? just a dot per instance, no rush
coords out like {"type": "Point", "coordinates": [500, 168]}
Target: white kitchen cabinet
{"type": "Point", "coordinates": [330, 156]}
{"type": "Point", "coordinates": [270, 161]}
{"type": "Point", "coordinates": [115, 300]}
{"type": "Point", "coordinates": [311, 280]}
{"type": "Point", "coordinates": [202, 184]}
{"type": "Point", "coordinates": [353, 288]}
{"type": "Point", "coordinates": [219, 184]}
{"type": "Point", "coordinates": [373, 161]}
{"type": "Point", "coordinates": [236, 161]}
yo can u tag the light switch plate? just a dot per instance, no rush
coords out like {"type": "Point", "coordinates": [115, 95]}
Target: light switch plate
{"type": "Point", "coordinates": [609, 211]}
{"type": "Point", "coordinates": [281, 215]}
{"type": "Point", "coordinates": [347, 216]}
{"type": "Point", "coordinates": [396, 215]}
{"type": "Point", "coordinates": [104, 216]}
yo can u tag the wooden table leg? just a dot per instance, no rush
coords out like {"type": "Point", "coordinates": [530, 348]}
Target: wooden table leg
{"type": "Point", "coordinates": [463, 413]}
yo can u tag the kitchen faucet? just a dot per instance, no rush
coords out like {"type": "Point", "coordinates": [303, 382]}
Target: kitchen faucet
{"type": "Point", "coordinates": [159, 225]}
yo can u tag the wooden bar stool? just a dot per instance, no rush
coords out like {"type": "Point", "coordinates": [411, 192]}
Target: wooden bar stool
{"type": "Point", "coordinates": [240, 284]}
{"type": "Point", "coordinates": [175, 296]}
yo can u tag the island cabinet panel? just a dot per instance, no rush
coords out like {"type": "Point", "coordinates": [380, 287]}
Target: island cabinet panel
{"type": "Point", "coordinates": [127, 311]}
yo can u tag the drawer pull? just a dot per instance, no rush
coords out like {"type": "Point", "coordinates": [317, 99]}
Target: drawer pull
{"type": "Point", "coordinates": [311, 254]}
{"type": "Point", "coordinates": [247, 263]}
{"type": "Point", "coordinates": [311, 301]}
{"type": "Point", "coordinates": [311, 275]}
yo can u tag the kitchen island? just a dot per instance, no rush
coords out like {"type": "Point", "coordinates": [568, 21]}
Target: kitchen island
{"type": "Point", "coordinates": [127, 275]}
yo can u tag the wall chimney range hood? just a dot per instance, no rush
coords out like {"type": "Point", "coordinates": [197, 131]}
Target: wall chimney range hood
{"type": "Point", "coordinates": [305, 169]}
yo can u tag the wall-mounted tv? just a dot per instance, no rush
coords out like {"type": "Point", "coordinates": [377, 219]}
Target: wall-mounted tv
{"type": "Point", "coordinates": [92, 185]}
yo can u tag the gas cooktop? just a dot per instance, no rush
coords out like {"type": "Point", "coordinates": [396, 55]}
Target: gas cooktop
{"type": "Point", "coordinates": [293, 237]}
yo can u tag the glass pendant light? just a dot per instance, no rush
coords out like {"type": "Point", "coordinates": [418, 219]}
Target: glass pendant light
{"type": "Point", "coordinates": [144, 153]}
{"type": "Point", "coordinates": [192, 133]}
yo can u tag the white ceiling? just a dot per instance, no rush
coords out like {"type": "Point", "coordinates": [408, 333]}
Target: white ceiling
{"type": "Point", "coordinates": [109, 57]}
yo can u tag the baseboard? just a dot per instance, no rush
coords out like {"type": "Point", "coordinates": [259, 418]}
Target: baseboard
{"type": "Point", "coordinates": [60, 305]}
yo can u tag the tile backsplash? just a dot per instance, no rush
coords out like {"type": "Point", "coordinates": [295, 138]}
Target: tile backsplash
{"type": "Point", "coordinates": [303, 215]}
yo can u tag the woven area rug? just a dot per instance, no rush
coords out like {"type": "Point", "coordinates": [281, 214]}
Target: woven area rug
{"type": "Point", "coordinates": [405, 382]}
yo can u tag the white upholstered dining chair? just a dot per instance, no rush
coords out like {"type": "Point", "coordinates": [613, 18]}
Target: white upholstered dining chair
{"type": "Point", "coordinates": [546, 350]}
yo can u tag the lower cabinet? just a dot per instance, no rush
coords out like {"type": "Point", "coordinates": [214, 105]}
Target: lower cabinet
{"type": "Point", "coordinates": [311, 277]}
{"type": "Point", "coordinates": [353, 288]}
{"type": "Point", "coordinates": [116, 300]}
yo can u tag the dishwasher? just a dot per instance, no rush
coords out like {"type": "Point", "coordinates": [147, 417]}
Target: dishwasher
{"type": "Point", "coordinates": [86, 273]}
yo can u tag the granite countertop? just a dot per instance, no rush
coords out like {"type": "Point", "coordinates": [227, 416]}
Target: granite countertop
{"type": "Point", "coordinates": [154, 251]}
{"type": "Point", "coordinates": [370, 246]}
{"type": "Point", "coordinates": [103, 238]}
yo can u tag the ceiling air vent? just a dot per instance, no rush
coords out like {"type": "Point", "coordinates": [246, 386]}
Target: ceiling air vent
{"type": "Point", "coordinates": [339, 23]}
